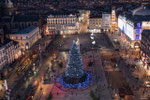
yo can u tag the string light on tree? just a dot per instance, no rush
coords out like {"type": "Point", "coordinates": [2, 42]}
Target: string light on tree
{"type": "Point", "coordinates": [75, 76]}
{"type": "Point", "coordinates": [75, 66]}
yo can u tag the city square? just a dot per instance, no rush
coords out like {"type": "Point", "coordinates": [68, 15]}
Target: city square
{"type": "Point", "coordinates": [74, 50]}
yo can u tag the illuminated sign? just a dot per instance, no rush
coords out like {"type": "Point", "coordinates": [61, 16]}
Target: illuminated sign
{"type": "Point", "coordinates": [130, 31]}
{"type": "Point", "coordinates": [122, 25]}
{"type": "Point", "coordinates": [123, 31]}
{"type": "Point", "coordinates": [137, 37]}
{"type": "Point", "coordinates": [128, 28]}
{"type": "Point", "coordinates": [138, 31]}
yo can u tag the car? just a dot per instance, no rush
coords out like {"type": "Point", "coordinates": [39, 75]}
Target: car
{"type": "Point", "coordinates": [32, 89]}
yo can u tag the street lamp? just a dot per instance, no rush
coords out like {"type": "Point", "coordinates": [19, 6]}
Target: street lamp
{"type": "Point", "coordinates": [92, 37]}
{"type": "Point", "coordinates": [33, 64]}
{"type": "Point", "coordinates": [64, 36]}
{"type": "Point", "coordinates": [93, 42]}
{"type": "Point", "coordinates": [92, 34]}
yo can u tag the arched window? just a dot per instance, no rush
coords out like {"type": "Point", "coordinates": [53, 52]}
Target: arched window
{"type": "Point", "coordinates": [27, 46]}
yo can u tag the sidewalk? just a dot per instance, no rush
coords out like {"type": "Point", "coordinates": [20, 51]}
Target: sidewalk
{"type": "Point", "coordinates": [104, 91]}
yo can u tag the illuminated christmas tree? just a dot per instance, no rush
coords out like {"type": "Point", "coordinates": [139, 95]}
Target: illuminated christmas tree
{"type": "Point", "coordinates": [75, 66]}
{"type": "Point", "coordinates": [75, 77]}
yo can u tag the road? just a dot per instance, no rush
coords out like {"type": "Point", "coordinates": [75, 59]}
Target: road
{"type": "Point", "coordinates": [83, 24]}
{"type": "Point", "coordinates": [28, 76]}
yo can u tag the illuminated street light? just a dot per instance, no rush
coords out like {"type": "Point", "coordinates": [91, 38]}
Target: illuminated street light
{"type": "Point", "coordinates": [92, 34]}
{"type": "Point", "coordinates": [93, 42]}
{"type": "Point", "coordinates": [64, 36]}
{"type": "Point", "coordinates": [92, 37]}
{"type": "Point", "coordinates": [33, 64]}
{"type": "Point", "coordinates": [23, 52]}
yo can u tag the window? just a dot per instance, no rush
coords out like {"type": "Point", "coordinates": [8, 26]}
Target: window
{"type": "Point", "coordinates": [56, 21]}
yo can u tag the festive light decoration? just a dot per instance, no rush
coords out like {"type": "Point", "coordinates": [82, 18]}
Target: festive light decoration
{"type": "Point", "coordinates": [75, 66]}
{"type": "Point", "coordinates": [75, 76]}
{"type": "Point", "coordinates": [77, 85]}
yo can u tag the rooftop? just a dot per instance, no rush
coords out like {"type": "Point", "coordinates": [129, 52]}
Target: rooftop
{"type": "Point", "coordinates": [20, 18]}
{"type": "Point", "coordinates": [61, 16]}
{"type": "Point", "coordinates": [26, 30]}
{"type": "Point", "coordinates": [63, 13]}
{"type": "Point", "coordinates": [142, 11]}
{"type": "Point", "coordinates": [6, 40]}
{"type": "Point", "coordinates": [25, 18]}
{"type": "Point", "coordinates": [136, 18]}
{"type": "Point", "coordinates": [95, 16]}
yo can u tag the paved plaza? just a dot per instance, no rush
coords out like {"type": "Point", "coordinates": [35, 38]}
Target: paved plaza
{"type": "Point", "coordinates": [99, 85]}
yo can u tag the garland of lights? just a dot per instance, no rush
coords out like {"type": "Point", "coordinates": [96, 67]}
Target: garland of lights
{"type": "Point", "coordinates": [78, 85]}
{"type": "Point", "coordinates": [75, 66]}
{"type": "Point", "coordinates": [75, 76]}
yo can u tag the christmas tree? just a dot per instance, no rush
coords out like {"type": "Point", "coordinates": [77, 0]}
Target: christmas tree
{"type": "Point", "coordinates": [75, 77]}
{"type": "Point", "coordinates": [75, 66]}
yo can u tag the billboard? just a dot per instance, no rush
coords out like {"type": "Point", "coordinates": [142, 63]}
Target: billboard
{"type": "Point", "coordinates": [138, 30]}
{"type": "Point", "coordinates": [122, 25]}
{"type": "Point", "coordinates": [130, 31]}
{"type": "Point", "coordinates": [125, 27]}
{"type": "Point", "coordinates": [106, 21]}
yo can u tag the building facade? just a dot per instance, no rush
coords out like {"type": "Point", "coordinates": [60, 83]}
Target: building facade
{"type": "Point", "coordinates": [26, 37]}
{"type": "Point", "coordinates": [99, 22]}
{"type": "Point", "coordinates": [65, 24]}
{"type": "Point", "coordinates": [21, 22]}
{"type": "Point", "coordinates": [95, 24]}
{"type": "Point", "coordinates": [106, 22]}
{"type": "Point", "coordinates": [9, 50]}
{"type": "Point", "coordinates": [2, 57]}
{"type": "Point", "coordinates": [145, 48]}
{"type": "Point", "coordinates": [18, 22]}
{"type": "Point", "coordinates": [132, 25]}
{"type": "Point", "coordinates": [114, 25]}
